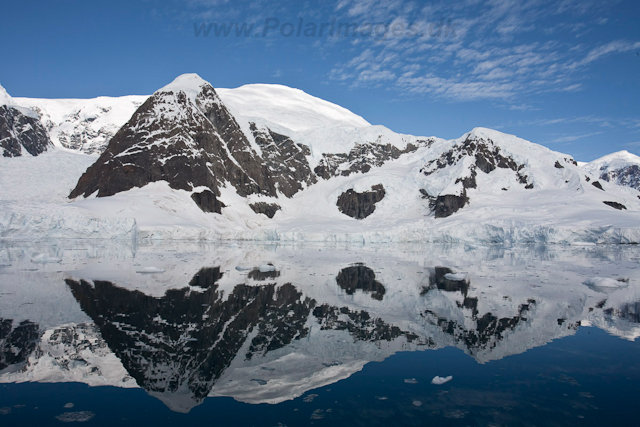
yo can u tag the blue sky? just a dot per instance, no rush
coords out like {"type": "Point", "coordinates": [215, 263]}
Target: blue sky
{"type": "Point", "coordinates": [560, 73]}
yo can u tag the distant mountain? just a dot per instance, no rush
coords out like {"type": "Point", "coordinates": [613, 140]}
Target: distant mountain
{"type": "Point", "coordinates": [84, 125]}
{"type": "Point", "coordinates": [622, 168]}
{"type": "Point", "coordinates": [20, 129]}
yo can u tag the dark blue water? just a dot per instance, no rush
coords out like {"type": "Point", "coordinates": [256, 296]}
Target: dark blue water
{"type": "Point", "coordinates": [589, 379]}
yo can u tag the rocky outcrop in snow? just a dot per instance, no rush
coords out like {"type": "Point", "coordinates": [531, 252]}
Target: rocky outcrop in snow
{"type": "Point", "coordinates": [360, 205]}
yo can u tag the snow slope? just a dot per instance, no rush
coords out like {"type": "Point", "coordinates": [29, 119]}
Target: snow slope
{"type": "Point", "coordinates": [287, 107]}
{"type": "Point", "coordinates": [562, 206]}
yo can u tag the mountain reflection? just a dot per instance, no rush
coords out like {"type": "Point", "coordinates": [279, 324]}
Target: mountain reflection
{"type": "Point", "coordinates": [268, 339]}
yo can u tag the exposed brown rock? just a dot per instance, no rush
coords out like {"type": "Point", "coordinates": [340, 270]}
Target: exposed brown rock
{"type": "Point", "coordinates": [360, 205]}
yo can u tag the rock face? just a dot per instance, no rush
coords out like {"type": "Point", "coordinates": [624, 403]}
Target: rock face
{"type": "Point", "coordinates": [473, 155]}
{"type": "Point", "coordinates": [360, 205]}
{"type": "Point", "coordinates": [268, 209]}
{"type": "Point", "coordinates": [182, 134]}
{"type": "Point", "coordinates": [616, 205]}
{"type": "Point", "coordinates": [362, 158]}
{"type": "Point", "coordinates": [486, 156]}
{"type": "Point", "coordinates": [449, 204]}
{"type": "Point", "coordinates": [207, 201]}
{"type": "Point", "coordinates": [622, 168]}
{"type": "Point", "coordinates": [20, 132]}
{"type": "Point", "coordinates": [628, 176]}
{"type": "Point", "coordinates": [285, 160]}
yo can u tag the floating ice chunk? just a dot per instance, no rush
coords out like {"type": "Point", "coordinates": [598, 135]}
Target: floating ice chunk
{"type": "Point", "coordinates": [411, 381]}
{"type": "Point", "coordinates": [417, 403]}
{"type": "Point", "coordinates": [150, 270]}
{"type": "Point", "coordinates": [79, 417]}
{"type": "Point", "coordinates": [441, 380]}
{"type": "Point", "coordinates": [456, 277]}
{"type": "Point", "coordinates": [309, 398]}
{"type": "Point", "coordinates": [605, 282]}
{"type": "Point", "coordinates": [45, 259]}
{"type": "Point", "coordinates": [266, 267]}
{"type": "Point", "coordinates": [242, 268]}
{"type": "Point", "coordinates": [68, 405]}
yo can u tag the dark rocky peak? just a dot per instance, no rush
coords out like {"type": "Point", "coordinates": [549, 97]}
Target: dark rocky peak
{"type": "Point", "coordinates": [362, 158]}
{"type": "Point", "coordinates": [285, 159]}
{"type": "Point", "coordinates": [184, 135]}
{"type": "Point", "coordinates": [21, 131]}
{"type": "Point", "coordinates": [360, 205]}
{"type": "Point", "coordinates": [360, 277]}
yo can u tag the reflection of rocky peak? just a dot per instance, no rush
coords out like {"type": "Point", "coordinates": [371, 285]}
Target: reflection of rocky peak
{"type": "Point", "coordinates": [16, 343]}
{"type": "Point", "coordinates": [442, 279]}
{"type": "Point", "coordinates": [360, 277]}
{"type": "Point", "coordinates": [488, 331]}
{"type": "Point", "coordinates": [179, 345]}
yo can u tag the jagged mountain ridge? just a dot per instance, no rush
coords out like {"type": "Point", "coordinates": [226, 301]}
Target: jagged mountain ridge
{"type": "Point", "coordinates": [186, 157]}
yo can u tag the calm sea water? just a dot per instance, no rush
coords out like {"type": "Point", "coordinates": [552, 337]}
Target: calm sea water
{"type": "Point", "coordinates": [271, 335]}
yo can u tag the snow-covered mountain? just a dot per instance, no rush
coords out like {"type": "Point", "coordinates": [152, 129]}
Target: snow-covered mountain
{"type": "Point", "coordinates": [278, 164]}
{"type": "Point", "coordinates": [84, 125]}
{"type": "Point", "coordinates": [622, 168]}
{"type": "Point", "coordinates": [20, 129]}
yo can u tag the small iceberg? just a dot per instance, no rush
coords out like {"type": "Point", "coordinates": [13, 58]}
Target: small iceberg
{"type": "Point", "coordinates": [266, 267]}
{"type": "Point", "coordinates": [411, 381]}
{"type": "Point", "coordinates": [45, 259]}
{"type": "Point", "coordinates": [606, 282]}
{"type": "Point", "coordinates": [441, 380]}
{"type": "Point", "coordinates": [242, 268]}
{"type": "Point", "coordinates": [150, 270]}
